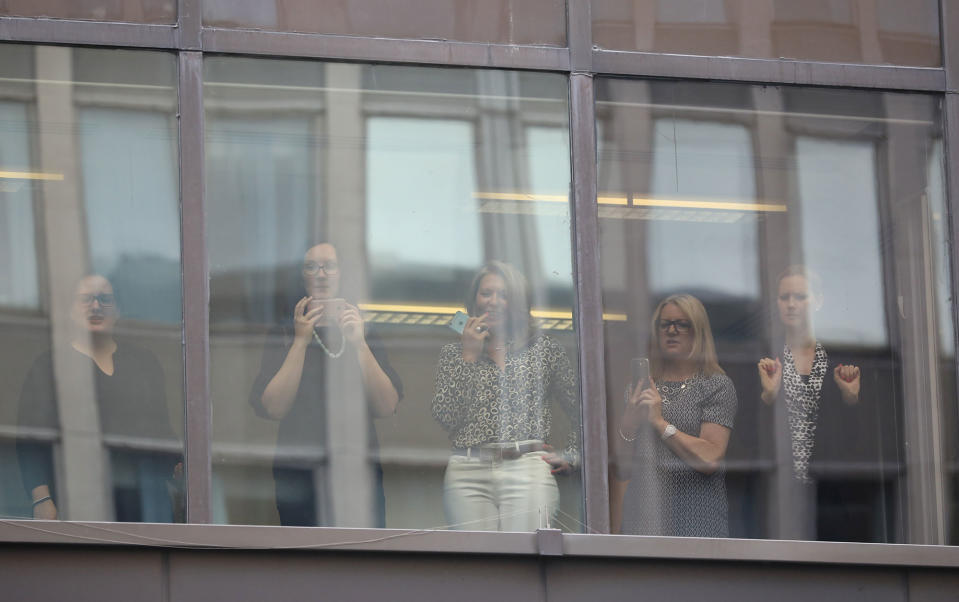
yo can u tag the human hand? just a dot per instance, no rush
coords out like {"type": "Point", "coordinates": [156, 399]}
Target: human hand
{"type": "Point", "coordinates": [770, 378]}
{"type": "Point", "coordinates": [474, 337]}
{"type": "Point", "coordinates": [352, 325]}
{"type": "Point", "coordinates": [643, 405]}
{"type": "Point", "coordinates": [45, 510]}
{"type": "Point", "coordinates": [557, 463]}
{"type": "Point", "coordinates": [848, 379]}
{"type": "Point", "coordinates": [305, 321]}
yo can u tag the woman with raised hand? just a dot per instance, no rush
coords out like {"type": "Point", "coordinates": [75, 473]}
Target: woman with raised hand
{"type": "Point", "coordinates": [495, 392]}
{"type": "Point", "coordinates": [808, 382]}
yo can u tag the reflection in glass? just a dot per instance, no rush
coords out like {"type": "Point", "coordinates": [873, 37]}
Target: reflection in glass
{"type": "Point", "coordinates": [845, 420]}
{"type": "Point", "coordinates": [130, 11]}
{"type": "Point", "coordinates": [90, 404]}
{"type": "Point", "coordinates": [541, 22]}
{"type": "Point", "coordinates": [898, 32]}
{"type": "Point", "coordinates": [417, 176]}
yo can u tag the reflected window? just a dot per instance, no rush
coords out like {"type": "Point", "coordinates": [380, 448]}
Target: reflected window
{"type": "Point", "coordinates": [797, 337]}
{"type": "Point", "coordinates": [373, 197]}
{"type": "Point", "coordinates": [90, 406]}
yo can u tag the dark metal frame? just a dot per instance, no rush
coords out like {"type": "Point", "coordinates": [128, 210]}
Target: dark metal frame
{"type": "Point", "coordinates": [581, 62]}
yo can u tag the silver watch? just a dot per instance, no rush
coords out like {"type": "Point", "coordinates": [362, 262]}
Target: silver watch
{"type": "Point", "coordinates": [668, 432]}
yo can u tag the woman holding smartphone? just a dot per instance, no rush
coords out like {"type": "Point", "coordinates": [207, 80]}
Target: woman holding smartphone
{"type": "Point", "coordinates": [814, 389]}
{"type": "Point", "coordinates": [675, 428]}
{"type": "Point", "coordinates": [495, 391]}
{"type": "Point", "coordinates": [326, 340]}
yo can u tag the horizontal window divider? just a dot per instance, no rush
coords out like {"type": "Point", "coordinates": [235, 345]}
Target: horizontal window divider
{"type": "Point", "coordinates": [248, 537]}
{"type": "Point", "coordinates": [88, 33]}
{"type": "Point", "coordinates": [357, 48]}
{"type": "Point", "coordinates": [771, 71]}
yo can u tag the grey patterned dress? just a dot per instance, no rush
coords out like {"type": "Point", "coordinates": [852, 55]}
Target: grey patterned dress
{"type": "Point", "coordinates": [665, 495]}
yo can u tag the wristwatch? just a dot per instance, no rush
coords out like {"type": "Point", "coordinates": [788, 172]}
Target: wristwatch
{"type": "Point", "coordinates": [668, 432]}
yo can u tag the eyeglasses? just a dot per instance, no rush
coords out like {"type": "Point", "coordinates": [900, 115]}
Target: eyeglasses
{"type": "Point", "coordinates": [104, 299]}
{"type": "Point", "coordinates": [681, 326]}
{"type": "Point", "coordinates": [330, 268]}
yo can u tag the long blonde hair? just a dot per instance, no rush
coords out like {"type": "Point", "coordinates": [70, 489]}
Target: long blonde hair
{"type": "Point", "coordinates": [704, 349]}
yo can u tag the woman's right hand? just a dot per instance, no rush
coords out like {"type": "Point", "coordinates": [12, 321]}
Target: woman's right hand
{"type": "Point", "coordinates": [770, 378]}
{"type": "Point", "coordinates": [305, 321]}
{"type": "Point", "coordinates": [635, 414]}
{"type": "Point", "coordinates": [474, 337]}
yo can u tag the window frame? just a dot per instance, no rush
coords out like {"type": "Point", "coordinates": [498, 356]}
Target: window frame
{"type": "Point", "coordinates": [580, 62]}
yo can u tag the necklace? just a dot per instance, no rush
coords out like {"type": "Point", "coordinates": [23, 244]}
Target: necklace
{"type": "Point", "coordinates": [329, 353]}
{"type": "Point", "coordinates": [676, 391]}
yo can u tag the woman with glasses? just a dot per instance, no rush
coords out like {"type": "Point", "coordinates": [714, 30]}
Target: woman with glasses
{"type": "Point", "coordinates": [129, 392]}
{"type": "Point", "coordinates": [495, 392]}
{"type": "Point", "coordinates": [675, 428]}
{"type": "Point", "coordinates": [815, 390]}
{"type": "Point", "coordinates": [325, 355]}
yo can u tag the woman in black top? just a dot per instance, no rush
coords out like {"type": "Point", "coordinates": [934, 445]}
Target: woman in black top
{"type": "Point", "coordinates": [131, 402]}
{"type": "Point", "coordinates": [322, 359]}
{"type": "Point", "coordinates": [813, 389]}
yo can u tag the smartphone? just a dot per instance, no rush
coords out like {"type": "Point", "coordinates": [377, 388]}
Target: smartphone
{"type": "Point", "coordinates": [458, 323]}
{"type": "Point", "coordinates": [639, 372]}
{"type": "Point", "coordinates": [333, 308]}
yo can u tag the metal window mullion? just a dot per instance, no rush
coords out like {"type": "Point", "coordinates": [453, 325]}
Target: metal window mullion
{"type": "Point", "coordinates": [589, 301]}
{"type": "Point", "coordinates": [579, 35]}
{"type": "Point", "coordinates": [189, 18]}
{"type": "Point", "coordinates": [196, 290]}
{"type": "Point", "coordinates": [951, 166]}
{"type": "Point", "coordinates": [93, 33]}
{"type": "Point", "coordinates": [948, 30]}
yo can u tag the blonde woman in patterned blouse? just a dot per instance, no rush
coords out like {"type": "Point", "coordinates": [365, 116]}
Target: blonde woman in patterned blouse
{"type": "Point", "coordinates": [495, 391]}
{"type": "Point", "coordinates": [675, 428]}
{"type": "Point", "coordinates": [808, 383]}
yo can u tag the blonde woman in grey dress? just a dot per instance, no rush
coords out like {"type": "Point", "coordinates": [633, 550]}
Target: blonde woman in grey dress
{"type": "Point", "coordinates": [675, 428]}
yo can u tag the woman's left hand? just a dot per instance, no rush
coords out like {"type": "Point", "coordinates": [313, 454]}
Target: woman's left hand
{"type": "Point", "coordinates": [652, 401]}
{"type": "Point", "coordinates": [848, 379]}
{"type": "Point", "coordinates": [557, 463]}
{"type": "Point", "coordinates": [352, 326]}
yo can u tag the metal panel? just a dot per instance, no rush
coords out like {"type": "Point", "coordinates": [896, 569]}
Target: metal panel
{"type": "Point", "coordinates": [390, 50]}
{"type": "Point", "coordinates": [196, 290]}
{"type": "Point", "coordinates": [949, 29]}
{"type": "Point", "coordinates": [579, 33]}
{"type": "Point", "coordinates": [589, 317]}
{"type": "Point", "coordinates": [60, 31]}
{"type": "Point", "coordinates": [770, 71]}
{"type": "Point", "coordinates": [189, 15]}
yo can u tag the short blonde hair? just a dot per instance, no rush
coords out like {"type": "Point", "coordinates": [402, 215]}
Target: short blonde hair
{"type": "Point", "coordinates": [704, 349]}
{"type": "Point", "coordinates": [518, 302]}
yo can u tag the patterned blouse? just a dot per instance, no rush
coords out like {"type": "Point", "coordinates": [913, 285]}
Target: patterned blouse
{"type": "Point", "coordinates": [478, 403]}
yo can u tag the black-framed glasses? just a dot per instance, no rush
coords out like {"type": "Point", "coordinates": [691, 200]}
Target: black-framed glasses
{"type": "Point", "coordinates": [330, 268]}
{"type": "Point", "coordinates": [681, 326]}
{"type": "Point", "coordinates": [104, 299]}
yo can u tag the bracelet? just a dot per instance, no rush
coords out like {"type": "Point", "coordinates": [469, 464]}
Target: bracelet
{"type": "Point", "coordinates": [625, 438]}
{"type": "Point", "coordinates": [41, 500]}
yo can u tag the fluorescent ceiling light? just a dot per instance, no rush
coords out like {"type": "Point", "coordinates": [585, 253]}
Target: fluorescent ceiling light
{"type": "Point", "coordinates": [31, 175]}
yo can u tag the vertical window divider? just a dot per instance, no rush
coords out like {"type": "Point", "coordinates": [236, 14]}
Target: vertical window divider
{"type": "Point", "coordinates": [589, 301]}
{"type": "Point", "coordinates": [196, 289]}
{"type": "Point", "coordinates": [189, 18]}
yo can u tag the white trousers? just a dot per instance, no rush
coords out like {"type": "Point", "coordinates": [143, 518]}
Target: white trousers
{"type": "Point", "coordinates": [500, 495]}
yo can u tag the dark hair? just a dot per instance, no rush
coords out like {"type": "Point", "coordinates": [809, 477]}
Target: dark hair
{"type": "Point", "coordinates": [517, 295]}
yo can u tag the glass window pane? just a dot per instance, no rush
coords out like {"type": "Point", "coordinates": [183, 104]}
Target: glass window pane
{"type": "Point", "coordinates": [378, 193]}
{"type": "Point", "coordinates": [130, 11]}
{"type": "Point", "coordinates": [804, 231]}
{"type": "Point", "coordinates": [893, 32]}
{"type": "Point", "coordinates": [91, 394]}
{"type": "Point", "coordinates": [541, 22]}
